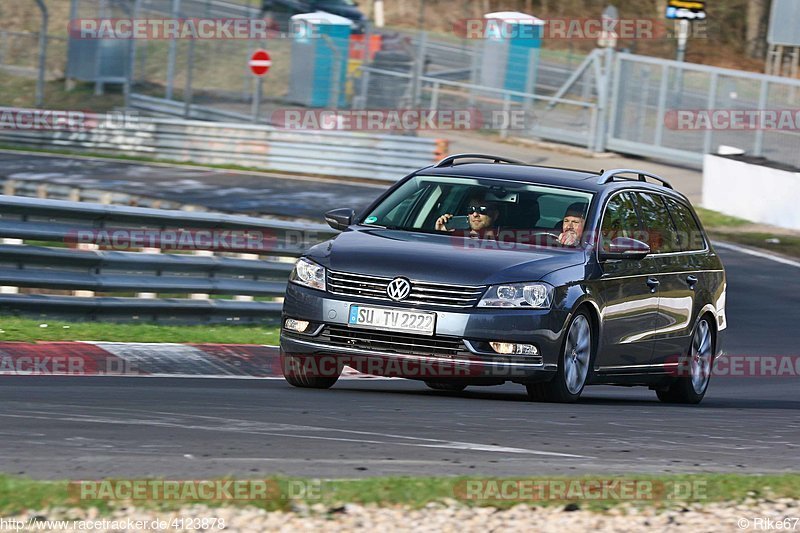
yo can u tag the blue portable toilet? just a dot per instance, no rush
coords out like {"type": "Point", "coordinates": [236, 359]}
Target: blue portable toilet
{"type": "Point", "coordinates": [320, 44]}
{"type": "Point", "coordinates": [511, 45]}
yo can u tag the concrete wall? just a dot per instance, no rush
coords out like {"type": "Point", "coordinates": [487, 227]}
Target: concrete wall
{"type": "Point", "coordinates": [761, 194]}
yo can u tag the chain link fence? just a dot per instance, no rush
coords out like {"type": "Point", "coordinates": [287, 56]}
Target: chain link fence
{"type": "Point", "coordinates": [601, 100]}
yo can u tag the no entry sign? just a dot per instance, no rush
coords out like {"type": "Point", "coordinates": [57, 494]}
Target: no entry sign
{"type": "Point", "coordinates": [260, 62]}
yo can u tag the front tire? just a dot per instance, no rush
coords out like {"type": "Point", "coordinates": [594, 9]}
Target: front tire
{"type": "Point", "coordinates": [691, 388]}
{"type": "Point", "coordinates": [305, 373]}
{"type": "Point", "coordinates": [573, 365]}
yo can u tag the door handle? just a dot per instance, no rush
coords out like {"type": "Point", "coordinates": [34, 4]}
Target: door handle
{"type": "Point", "coordinates": [691, 281]}
{"type": "Point", "coordinates": [652, 283]}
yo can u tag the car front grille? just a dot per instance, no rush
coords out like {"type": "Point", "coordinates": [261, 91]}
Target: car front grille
{"type": "Point", "coordinates": [391, 342]}
{"type": "Point", "coordinates": [422, 292]}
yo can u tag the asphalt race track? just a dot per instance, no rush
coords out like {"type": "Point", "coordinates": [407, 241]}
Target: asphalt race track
{"type": "Point", "coordinates": [218, 190]}
{"type": "Point", "coordinates": [88, 427]}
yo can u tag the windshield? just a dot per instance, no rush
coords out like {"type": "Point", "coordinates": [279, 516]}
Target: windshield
{"type": "Point", "coordinates": [507, 210]}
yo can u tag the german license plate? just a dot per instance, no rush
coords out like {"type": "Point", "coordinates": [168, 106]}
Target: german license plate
{"type": "Point", "coordinates": [392, 319]}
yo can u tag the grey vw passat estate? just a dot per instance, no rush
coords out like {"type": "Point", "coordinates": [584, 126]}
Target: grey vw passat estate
{"type": "Point", "coordinates": [480, 270]}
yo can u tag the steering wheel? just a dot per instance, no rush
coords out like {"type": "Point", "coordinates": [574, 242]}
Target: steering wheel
{"type": "Point", "coordinates": [546, 234]}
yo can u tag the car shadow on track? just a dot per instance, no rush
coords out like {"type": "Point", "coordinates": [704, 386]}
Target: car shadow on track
{"type": "Point", "coordinates": [632, 397]}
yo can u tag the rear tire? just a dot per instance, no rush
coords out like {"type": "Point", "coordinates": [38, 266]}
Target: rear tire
{"type": "Point", "coordinates": [446, 386]}
{"type": "Point", "coordinates": [303, 372]}
{"type": "Point", "coordinates": [691, 388]}
{"type": "Point", "coordinates": [574, 365]}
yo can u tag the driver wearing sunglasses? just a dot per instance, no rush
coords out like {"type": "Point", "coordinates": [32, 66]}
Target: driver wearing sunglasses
{"type": "Point", "coordinates": [482, 216]}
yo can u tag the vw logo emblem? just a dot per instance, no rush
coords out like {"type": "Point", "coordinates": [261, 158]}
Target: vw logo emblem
{"type": "Point", "coordinates": [398, 289]}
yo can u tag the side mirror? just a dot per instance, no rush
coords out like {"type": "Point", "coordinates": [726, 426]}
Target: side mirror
{"type": "Point", "coordinates": [340, 218]}
{"type": "Point", "coordinates": [625, 248]}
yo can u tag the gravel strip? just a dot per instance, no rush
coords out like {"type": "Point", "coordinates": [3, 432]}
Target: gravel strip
{"type": "Point", "coordinates": [714, 517]}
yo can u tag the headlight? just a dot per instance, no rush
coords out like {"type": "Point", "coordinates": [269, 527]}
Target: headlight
{"type": "Point", "coordinates": [309, 274]}
{"type": "Point", "coordinates": [526, 295]}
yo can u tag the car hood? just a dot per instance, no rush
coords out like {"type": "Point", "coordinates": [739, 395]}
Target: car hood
{"type": "Point", "coordinates": [442, 258]}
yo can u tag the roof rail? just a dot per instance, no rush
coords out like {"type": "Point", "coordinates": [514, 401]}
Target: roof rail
{"type": "Point", "coordinates": [609, 175]}
{"type": "Point", "coordinates": [450, 160]}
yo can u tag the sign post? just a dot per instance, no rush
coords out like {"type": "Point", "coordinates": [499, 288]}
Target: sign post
{"type": "Point", "coordinates": [608, 34]}
{"type": "Point", "coordinates": [259, 64]}
{"type": "Point", "coordinates": [685, 11]}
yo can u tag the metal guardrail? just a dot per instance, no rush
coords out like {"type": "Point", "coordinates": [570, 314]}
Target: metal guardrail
{"type": "Point", "coordinates": [329, 153]}
{"type": "Point", "coordinates": [55, 263]}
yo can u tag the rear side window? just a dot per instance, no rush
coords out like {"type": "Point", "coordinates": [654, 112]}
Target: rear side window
{"type": "Point", "coordinates": [619, 220]}
{"type": "Point", "coordinates": [661, 233]}
{"type": "Point", "coordinates": [689, 234]}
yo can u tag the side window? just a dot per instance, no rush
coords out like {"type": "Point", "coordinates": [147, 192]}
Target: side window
{"type": "Point", "coordinates": [689, 233]}
{"type": "Point", "coordinates": [619, 220]}
{"type": "Point", "coordinates": [661, 233]}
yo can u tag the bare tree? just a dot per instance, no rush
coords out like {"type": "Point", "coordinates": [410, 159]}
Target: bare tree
{"type": "Point", "coordinates": [756, 28]}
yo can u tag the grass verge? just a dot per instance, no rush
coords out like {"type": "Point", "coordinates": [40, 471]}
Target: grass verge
{"type": "Point", "coordinates": [737, 230]}
{"type": "Point", "coordinates": [663, 491]}
{"type": "Point", "coordinates": [28, 330]}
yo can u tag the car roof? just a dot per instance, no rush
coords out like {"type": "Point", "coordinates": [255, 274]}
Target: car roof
{"type": "Point", "coordinates": [586, 180]}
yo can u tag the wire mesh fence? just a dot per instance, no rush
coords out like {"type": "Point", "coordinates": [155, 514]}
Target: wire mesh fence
{"type": "Point", "coordinates": [604, 99]}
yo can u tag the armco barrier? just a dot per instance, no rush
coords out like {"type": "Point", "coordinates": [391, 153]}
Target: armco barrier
{"type": "Point", "coordinates": [327, 153]}
{"type": "Point", "coordinates": [63, 263]}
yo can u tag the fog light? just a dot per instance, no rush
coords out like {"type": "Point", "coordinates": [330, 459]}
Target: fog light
{"type": "Point", "coordinates": [296, 325]}
{"type": "Point", "coordinates": [516, 349]}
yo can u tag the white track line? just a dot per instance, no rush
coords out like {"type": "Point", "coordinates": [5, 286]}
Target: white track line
{"type": "Point", "coordinates": [756, 253]}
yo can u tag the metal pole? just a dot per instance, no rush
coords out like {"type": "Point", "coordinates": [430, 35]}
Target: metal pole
{"type": "Point", "coordinates": [69, 83]}
{"type": "Point", "coordinates": [173, 49]}
{"type": "Point", "coordinates": [42, 54]}
{"type": "Point", "coordinates": [131, 59]}
{"type": "Point", "coordinates": [795, 69]}
{"type": "Point", "coordinates": [98, 53]}
{"type": "Point", "coordinates": [712, 102]}
{"type": "Point", "coordinates": [683, 36]}
{"type": "Point", "coordinates": [435, 96]}
{"type": "Point", "coordinates": [604, 74]}
{"type": "Point", "coordinates": [474, 71]}
{"type": "Point", "coordinates": [419, 67]}
{"type": "Point", "coordinates": [187, 89]}
{"type": "Point", "coordinates": [662, 104]}
{"type": "Point", "coordinates": [758, 148]}
{"type": "Point", "coordinates": [256, 107]}
{"type": "Point", "coordinates": [506, 115]}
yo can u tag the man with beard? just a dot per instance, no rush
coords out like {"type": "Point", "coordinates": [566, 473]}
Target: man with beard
{"type": "Point", "coordinates": [572, 225]}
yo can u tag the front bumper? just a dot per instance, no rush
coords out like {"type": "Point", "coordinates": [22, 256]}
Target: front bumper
{"type": "Point", "coordinates": [464, 332]}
